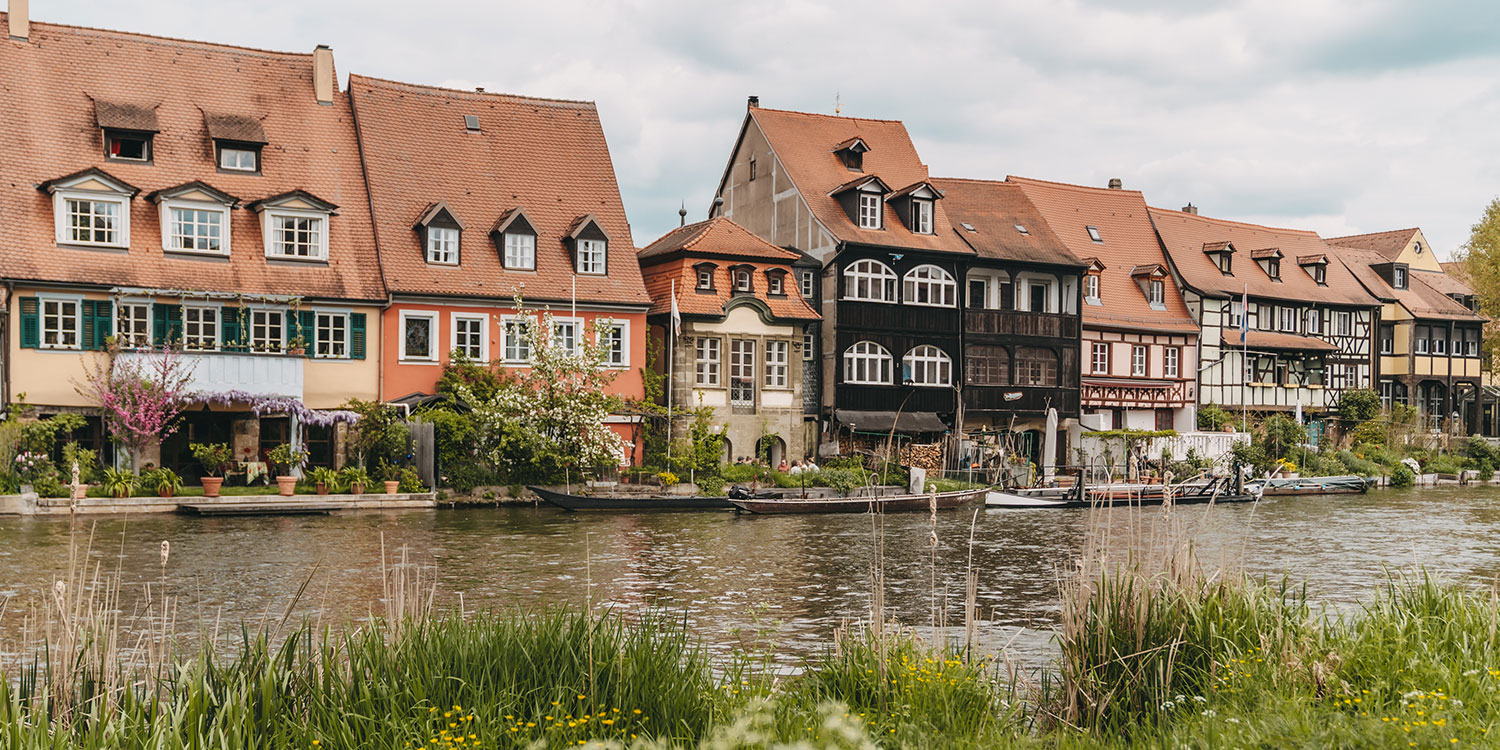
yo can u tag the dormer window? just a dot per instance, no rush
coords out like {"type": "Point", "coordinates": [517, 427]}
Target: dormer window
{"type": "Point", "coordinates": [742, 279]}
{"type": "Point", "coordinates": [1091, 288]}
{"type": "Point", "coordinates": [127, 146]}
{"type": "Point", "coordinates": [1152, 282]}
{"type": "Point", "coordinates": [1222, 255]}
{"type": "Point", "coordinates": [195, 218]}
{"type": "Point", "coordinates": [295, 225]}
{"type": "Point", "coordinates": [91, 208]}
{"type": "Point", "coordinates": [1156, 293]}
{"type": "Point", "coordinates": [1316, 266]}
{"type": "Point", "coordinates": [852, 154]}
{"type": "Point", "coordinates": [239, 159]}
{"type": "Point", "coordinates": [1398, 277]}
{"type": "Point", "coordinates": [776, 282]}
{"type": "Point", "coordinates": [1270, 261]}
{"type": "Point", "coordinates": [921, 217]}
{"type": "Point", "coordinates": [128, 130]}
{"type": "Point", "coordinates": [590, 246]}
{"type": "Point", "coordinates": [516, 239]}
{"type": "Point", "coordinates": [869, 211]}
{"type": "Point", "coordinates": [237, 141]}
{"type": "Point", "coordinates": [441, 233]}
{"type": "Point", "coordinates": [705, 274]}
{"type": "Point", "coordinates": [1094, 234]}
{"type": "Point", "coordinates": [442, 245]}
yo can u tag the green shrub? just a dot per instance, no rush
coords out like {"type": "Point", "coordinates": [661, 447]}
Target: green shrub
{"type": "Point", "coordinates": [1368, 433]}
{"type": "Point", "coordinates": [1442, 464]}
{"type": "Point", "coordinates": [410, 481]}
{"type": "Point", "coordinates": [1402, 476]}
{"type": "Point", "coordinates": [1358, 405]}
{"type": "Point", "coordinates": [711, 486]}
{"type": "Point", "coordinates": [458, 462]}
{"type": "Point", "coordinates": [1212, 418]}
{"type": "Point", "coordinates": [87, 460]}
{"type": "Point", "coordinates": [1356, 465]}
{"type": "Point", "coordinates": [48, 485]}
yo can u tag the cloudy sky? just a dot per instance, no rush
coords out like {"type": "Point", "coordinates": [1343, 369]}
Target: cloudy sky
{"type": "Point", "coordinates": [1340, 117]}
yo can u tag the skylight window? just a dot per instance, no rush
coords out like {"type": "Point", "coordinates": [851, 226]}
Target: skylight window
{"type": "Point", "coordinates": [1021, 229]}
{"type": "Point", "coordinates": [471, 123]}
{"type": "Point", "coordinates": [968, 227]}
{"type": "Point", "coordinates": [1094, 234]}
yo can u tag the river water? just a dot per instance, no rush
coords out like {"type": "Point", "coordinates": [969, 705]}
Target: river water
{"type": "Point", "coordinates": [789, 580]}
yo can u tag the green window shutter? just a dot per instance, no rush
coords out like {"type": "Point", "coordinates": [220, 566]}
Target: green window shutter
{"type": "Point", "coordinates": [229, 322]}
{"type": "Point", "coordinates": [31, 323]}
{"type": "Point", "coordinates": [104, 314]}
{"type": "Point", "coordinates": [89, 326]}
{"type": "Point", "coordinates": [357, 335]}
{"type": "Point", "coordinates": [308, 321]}
{"type": "Point", "coordinates": [166, 324]}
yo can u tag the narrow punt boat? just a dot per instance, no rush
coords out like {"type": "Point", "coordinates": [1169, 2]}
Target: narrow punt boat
{"type": "Point", "coordinates": [890, 504]}
{"type": "Point", "coordinates": [1221, 490]}
{"type": "Point", "coordinates": [569, 501]}
{"type": "Point", "coordinates": [1340, 485]}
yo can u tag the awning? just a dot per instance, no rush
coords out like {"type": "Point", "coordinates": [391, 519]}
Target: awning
{"type": "Point", "coordinates": [1270, 341]}
{"type": "Point", "coordinates": [883, 421]}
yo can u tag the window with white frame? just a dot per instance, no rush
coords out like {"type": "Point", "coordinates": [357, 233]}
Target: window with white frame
{"type": "Point", "coordinates": [565, 335]}
{"type": "Point", "coordinates": [869, 210]}
{"type": "Point", "coordinates": [869, 280]}
{"type": "Point", "coordinates": [741, 372]}
{"type": "Point", "coordinates": [615, 338]}
{"type": "Point", "coordinates": [520, 251]}
{"type": "Point", "coordinates": [806, 278]}
{"type": "Point", "coordinates": [1091, 287]}
{"type": "Point", "coordinates": [867, 362]}
{"type": "Point", "coordinates": [1156, 292]}
{"type": "Point", "coordinates": [94, 221]}
{"type": "Point", "coordinates": [929, 285]}
{"type": "Point", "coordinates": [133, 324]}
{"type": "Point", "coordinates": [1171, 358]}
{"type": "Point", "coordinates": [928, 365]}
{"type": "Point", "coordinates": [706, 362]}
{"type": "Point", "coordinates": [742, 279]}
{"type": "Point", "coordinates": [809, 340]}
{"type": "Point", "coordinates": [297, 236]}
{"type": "Point", "coordinates": [469, 336]}
{"type": "Point", "coordinates": [517, 339]}
{"type": "Point", "coordinates": [1138, 361]}
{"type": "Point", "coordinates": [1439, 343]}
{"type": "Point", "coordinates": [1314, 322]}
{"type": "Point", "coordinates": [200, 328]}
{"type": "Point", "coordinates": [706, 278]}
{"type": "Point", "coordinates": [776, 364]}
{"type": "Point", "coordinates": [1236, 313]}
{"type": "Point", "coordinates": [419, 336]}
{"type": "Point", "coordinates": [591, 256]}
{"type": "Point", "coordinates": [1420, 336]}
{"type": "Point", "coordinates": [267, 330]}
{"type": "Point", "coordinates": [1099, 359]}
{"type": "Point", "coordinates": [775, 285]}
{"type": "Point", "coordinates": [332, 332]}
{"type": "Point", "coordinates": [442, 245]}
{"type": "Point", "coordinates": [60, 324]}
{"type": "Point", "coordinates": [239, 159]}
{"type": "Point", "coordinates": [1346, 324]}
{"type": "Point", "coordinates": [197, 229]}
{"type": "Point", "coordinates": [1289, 319]}
{"type": "Point", "coordinates": [921, 217]}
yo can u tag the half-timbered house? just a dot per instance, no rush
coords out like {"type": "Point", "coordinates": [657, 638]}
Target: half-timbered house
{"type": "Point", "coordinates": [853, 194]}
{"type": "Point", "coordinates": [1283, 322]}
{"type": "Point", "coordinates": [1428, 338]}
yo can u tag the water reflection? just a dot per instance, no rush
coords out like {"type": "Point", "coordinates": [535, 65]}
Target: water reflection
{"type": "Point", "coordinates": [794, 576]}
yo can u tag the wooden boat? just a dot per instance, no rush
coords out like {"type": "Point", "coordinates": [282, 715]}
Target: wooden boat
{"type": "Point", "coordinates": [573, 502]}
{"type": "Point", "coordinates": [888, 504]}
{"type": "Point", "coordinates": [1341, 485]}
{"type": "Point", "coordinates": [1220, 490]}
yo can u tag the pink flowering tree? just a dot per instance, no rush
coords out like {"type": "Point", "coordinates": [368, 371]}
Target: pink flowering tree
{"type": "Point", "coordinates": [140, 397]}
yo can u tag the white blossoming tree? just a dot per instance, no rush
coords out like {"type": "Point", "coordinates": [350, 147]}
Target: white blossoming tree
{"type": "Point", "coordinates": [548, 418]}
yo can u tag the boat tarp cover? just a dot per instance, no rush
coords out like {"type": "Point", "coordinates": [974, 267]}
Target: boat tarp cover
{"type": "Point", "coordinates": [883, 421]}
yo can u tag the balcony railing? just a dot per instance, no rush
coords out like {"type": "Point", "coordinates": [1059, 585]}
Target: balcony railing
{"type": "Point", "coordinates": [899, 318]}
{"type": "Point", "coordinates": [257, 374]}
{"type": "Point", "coordinates": [894, 398]}
{"type": "Point", "coordinates": [1017, 323]}
{"type": "Point", "coordinates": [1020, 399]}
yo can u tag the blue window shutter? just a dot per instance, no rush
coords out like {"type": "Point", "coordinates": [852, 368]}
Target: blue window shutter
{"type": "Point", "coordinates": [31, 323]}
{"type": "Point", "coordinates": [357, 335]}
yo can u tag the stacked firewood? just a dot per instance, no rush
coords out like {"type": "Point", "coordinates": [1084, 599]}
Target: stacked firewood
{"type": "Point", "coordinates": [927, 456]}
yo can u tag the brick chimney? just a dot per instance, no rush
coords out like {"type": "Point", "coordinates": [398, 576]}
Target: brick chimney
{"type": "Point", "coordinates": [1190, 209]}
{"type": "Point", "coordinates": [323, 84]}
{"type": "Point", "coordinates": [1115, 183]}
{"type": "Point", "coordinates": [20, 19]}
{"type": "Point", "coordinates": [752, 103]}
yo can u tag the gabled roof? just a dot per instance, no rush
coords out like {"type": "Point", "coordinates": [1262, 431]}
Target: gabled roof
{"type": "Point", "coordinates": [1387, 244]}
{"type": "Point", "coordinates": [238, 128]}
{"type": "Point", "coordinates": [994, 209]}
{"type": "Point", "coordinates": [1184, 234]}
{"type": "Point", "coordinates": [432, 211]}
{"type": "Point", "coordinates": [915, 187]}
{"type": "Point", "coordinates": [1312, 260]}
{"type": "Point", "coordinates": [717, 238]}
{"type": "Point", "coordinates": [860, 182]}
{"type": "Point", "coordinates": [1219, 246]}
{"type": "Point", "coordinates": [546, 157]}
{"type": "Point", "coordinates": [196, 186]}
{"type": "Point", "coordinates": [803, 143]}
{"type": "Point", "coordinates": [298, 195]}
{"type": "Point", "coordinates": [125, 116]}
{"type": "Point", "coordinates": [1129, 241]}
{"type": "Point", "coordinates": [59, 70]}
{"type": "Point", "coordinates": [1424, 295]}
{"type": "Point", "coordinates": [1150, 269]}
{"type": "Point", "coordinates": [82, 175]}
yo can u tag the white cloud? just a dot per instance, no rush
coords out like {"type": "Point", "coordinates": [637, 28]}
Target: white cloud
{"type": "Point", "coordinates": [1329, 115]}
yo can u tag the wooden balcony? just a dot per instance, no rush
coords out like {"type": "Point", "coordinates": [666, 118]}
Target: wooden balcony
{"type": "Point", "coordinates": [894, 398]}
{"type": "Point", "coordinates": [1032, 400]}
{"type": "Point", "coordinates": [899, 318]}
{"type": "Point", "coordinates": [1018, 323]}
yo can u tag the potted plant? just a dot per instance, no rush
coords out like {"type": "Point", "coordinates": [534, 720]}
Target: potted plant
{"type": "Point", "coordinates": [215, 459]}
{"type": "Point", "coordinates": [164, 482]}
{"type": "Point", "coordinates": [286, 458]}
{"type": "Point", "coordinates": [118, 483]}
{"type": "Point", "coordinates": [296, 347]}
{"type": "Point", "coordinates": [325, 479]}
{"type": "Point", "coordinates": [392, 476]}
{"type": "Point", "coordinates": [355, 478]}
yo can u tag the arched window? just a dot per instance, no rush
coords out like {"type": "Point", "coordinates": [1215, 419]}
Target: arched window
{"type": "Point", "coordinates": [1036, 366]}
{"type": "Point", "coordinates": [869, 280]}
{"type": "Point", "coordinates": [927, 365]}
{"type": "Point", "coordinates": [867, 362]}
{"type": "Point", "coordinates": [929, 285]}
{"type": "Point", "coordinates": [987, 365]}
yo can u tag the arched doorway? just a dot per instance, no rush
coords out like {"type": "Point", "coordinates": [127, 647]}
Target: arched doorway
{"type": "Point", "coordinates": [1432, 401]}
{"type": "Point", "coordinates": [771, 449]}
{"type": "Point", "coordinates": [727, 456]}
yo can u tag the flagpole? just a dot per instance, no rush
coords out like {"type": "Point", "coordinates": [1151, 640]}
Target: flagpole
{"type": "Point", "coordinates": [1244, 353]}
{"type": "Point", "coordinates": [671, 367]}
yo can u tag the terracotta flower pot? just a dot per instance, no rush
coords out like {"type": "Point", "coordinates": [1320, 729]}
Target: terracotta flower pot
{"type": "Point", "coordinates": [168, 492]}
{"type": "Point", "coordinates": [322, 488]}
{"type": "Point", "coordinates": [80, 491]}
{"type": "Point", "coordinates": [286, 485]}
{"type": "Point", "coordinates": [212, 485]}
{"type": "Point", "coordinates": [356, 489]}
{"type": "Point", "coordinates": [391, 487]}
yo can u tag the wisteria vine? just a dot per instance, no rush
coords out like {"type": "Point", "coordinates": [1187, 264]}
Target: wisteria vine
{"type": "Point", "coordinates": [261, 405]}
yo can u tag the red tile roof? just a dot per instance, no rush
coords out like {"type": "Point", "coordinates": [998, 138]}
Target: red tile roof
{"type": "Point", "coordinates": [1387, 244]}
{"type": "Point", "coordinates": [546, 157]}
{"type": "Point", "coordinates": [1184, 235]}
{"type": "Point", "coordinates": [1422, 296]}
{"type": "Point", "coordinates": [994, 210]}
{"type": "Point", "coordinates": [672, 258]}
{"type": "Point", "coordinates": [311, 147]}
{"type": "Point", "coordinates": [1272, 340]}
{"type": "Point", "coordinates": [805, 144]}
{"type": "Point", "coordinates": [1128, 242]}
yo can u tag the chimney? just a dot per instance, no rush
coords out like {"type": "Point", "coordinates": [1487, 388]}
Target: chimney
{"type": "Point", "coordinates": [20, 19]}
{"type": "Point", "coordinates": [323, 84]}
{"type": "Point", "coordinates": [1115, 184]}
{"type": "Point", "coordinates": [479, 89]}
{"type": "Point", "coordinates": [752, 103]}
{"type": "Point", "coordinates": [1190, 209]}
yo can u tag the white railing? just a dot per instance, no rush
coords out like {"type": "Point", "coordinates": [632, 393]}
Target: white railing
{"type": "Point", "coordinates": [258, 374]}
{"type": "Point", "coordinates": [1209, 445]}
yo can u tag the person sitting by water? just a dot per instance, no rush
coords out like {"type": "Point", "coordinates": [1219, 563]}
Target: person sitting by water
{"type": "Point", "coordinates": [796, 468]}
{"type": "Point", "coordinates": [782, 467]}
{"type": "Point", "coordinates": [809, 466]}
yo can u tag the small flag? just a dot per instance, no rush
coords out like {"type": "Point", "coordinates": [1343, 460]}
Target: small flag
{"type": "Point", "coordinates": [676, 315]}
